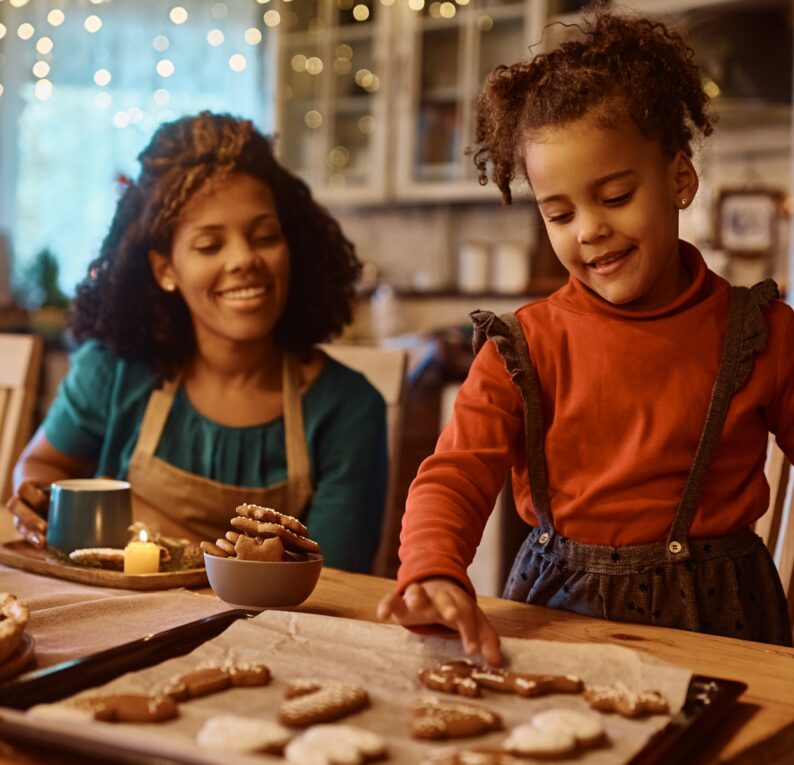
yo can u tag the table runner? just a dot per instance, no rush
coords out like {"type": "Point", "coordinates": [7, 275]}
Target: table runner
{"type": "Point", "coordinates": [70, 620]}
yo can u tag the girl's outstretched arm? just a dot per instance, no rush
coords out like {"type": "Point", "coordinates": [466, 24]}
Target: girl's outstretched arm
{"type": "Point", "coordinates": [442, 601]}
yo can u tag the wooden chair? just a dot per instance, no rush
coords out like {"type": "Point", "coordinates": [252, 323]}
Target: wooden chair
{"type": "Point", "coordinates": [20, 370]}
{"type": "Point", "coordinates": [776, 527]}
{"type": "Point", "coordinates": [385, 368]}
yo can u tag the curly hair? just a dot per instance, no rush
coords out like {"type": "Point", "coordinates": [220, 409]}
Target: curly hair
{"type": "Point", "coordinates": [121, 304]}
{"type": "Point", "coordinates": [616, 64]}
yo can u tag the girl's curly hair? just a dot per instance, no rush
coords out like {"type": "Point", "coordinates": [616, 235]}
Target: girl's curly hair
{"type": "Point", "coordinates": [121, 304]}
{"type": "Point", "coordinates": [616, 65]}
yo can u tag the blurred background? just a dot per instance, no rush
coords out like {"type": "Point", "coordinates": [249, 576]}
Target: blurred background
{"type": "Point", "coordinates": [373, 103]}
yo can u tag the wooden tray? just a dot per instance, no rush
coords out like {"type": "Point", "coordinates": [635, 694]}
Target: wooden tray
{"type": "Point", "coordinates": [708, 698]}
{"type": "Point", "coordinates": [18, 554]}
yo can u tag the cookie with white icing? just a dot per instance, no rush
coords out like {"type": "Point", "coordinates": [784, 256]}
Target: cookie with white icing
{"type": "Point", "coordinates": [242, 735]}
{"type": "Point", "coordinates": [625, 701]}
{"type": "Point", "coordinates": [335, 745]}
{"type": "Point", "coordinates": [435, 719]}
{"type": "Point", "coordinates": [556, 734]}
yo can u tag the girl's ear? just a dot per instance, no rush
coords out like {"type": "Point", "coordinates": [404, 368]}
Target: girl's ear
{"type": "Point", "coordinates": [163, 270]}
{"type": "Point", "coordinates": [685, 180]}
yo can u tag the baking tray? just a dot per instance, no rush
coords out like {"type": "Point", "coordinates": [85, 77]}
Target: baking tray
{"type": "Point", "coordinates": [19, 554]}
{"type": "Point", "coordinates": [708, 698]}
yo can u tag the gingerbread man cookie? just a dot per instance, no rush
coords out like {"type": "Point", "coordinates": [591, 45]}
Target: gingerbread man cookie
{"type": "Point", "coordinates": [130, 707]}
{"type": "Point", "coordinates": [466, 679]}
{"type": "Point", "coordinates": [434, 719]}
{"type": "Point", "coordinates": [625, 701]}
{"type": "Point", "coordinates": [315, 701]}
{"type": "Point", "coordinates": [202, 682]}
{"type": "Point", "coordinates": [335, 745]}
{"type": "Point", "coordinates": [289, 539]}
{"type": "Point", "coordinates": [269, 515]}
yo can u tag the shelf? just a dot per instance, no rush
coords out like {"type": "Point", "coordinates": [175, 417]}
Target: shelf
{"type": "Point", "coordinates": [539, 287]}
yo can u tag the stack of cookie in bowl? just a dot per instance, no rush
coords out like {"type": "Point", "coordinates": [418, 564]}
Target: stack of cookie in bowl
{"type": "Point", "coordinates": [264, 534]}
{"type": "Point", "coordinates": [266, 560]}
{"type": "Point", "coordinates": [16, 646]}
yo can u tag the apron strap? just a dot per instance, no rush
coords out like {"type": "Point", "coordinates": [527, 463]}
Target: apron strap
{"type": "Point", "coordinates": [744, 337]}
{"type": "Point", "coordinates": [154, 417]}
{"type": "Point", "coordinates": [294, 434]}
{"type": "Point", "coordinates": [507, 335]}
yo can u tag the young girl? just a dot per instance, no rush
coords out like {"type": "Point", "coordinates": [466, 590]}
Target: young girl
{"type": "Point", "coordinates": [197, 379]}
{"type": "Point", "coordinates": [633, 405]}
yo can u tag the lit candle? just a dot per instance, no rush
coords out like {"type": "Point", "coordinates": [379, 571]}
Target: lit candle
{"type": "Point", "coordinates": [141, 556]}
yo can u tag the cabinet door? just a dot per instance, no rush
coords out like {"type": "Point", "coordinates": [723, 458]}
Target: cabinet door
{"type": "Point", "coordinates": [450, 49]}
{"type": "Point", "coordinates": [331, 112]}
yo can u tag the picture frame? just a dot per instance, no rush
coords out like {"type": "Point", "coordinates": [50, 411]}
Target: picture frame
{"type": "Point", "coordinates": [747, 220]}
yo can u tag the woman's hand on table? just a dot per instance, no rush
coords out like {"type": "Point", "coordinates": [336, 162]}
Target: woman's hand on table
{"type": "Point", "coordinates": [29, 507]}
{"type": "Point", "coordinates": [442, 601]}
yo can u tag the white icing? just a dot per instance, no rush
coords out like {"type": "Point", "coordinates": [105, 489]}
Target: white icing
{"type": "Point", "coordinates": [232, 733]}
{"type": "Point", "coordinates": [528, 739]}
{"type": "Point", "coordinates": [584, 726]}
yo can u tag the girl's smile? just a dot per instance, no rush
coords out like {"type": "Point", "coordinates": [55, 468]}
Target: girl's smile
{"type": "Point", "coordinates": [610, 200]}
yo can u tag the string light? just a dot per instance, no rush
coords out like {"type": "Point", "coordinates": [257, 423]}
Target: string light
{"type": "Point", "coordinates": [298, 62]}
{"type": "Point", "coordinates": [55, 17]}
{"type": "Point", "coordinates": [92, 24]}
{"type": "Point", "coordinates": [43, 89]}
{"type": "Point", "coordinates": [18, 3]}
{"type": "Point", "coordinates": [1, 88]}
{"type": "Point", "coordinates": [103, 100]}
{"type": "Point", "coordinates": [361, 12]}
{"type": "Point", "coordinates": [237, 62]}
{"type": "Point", "coordinates": [272, 18]}
{"type": "Point", "coordinates": [161, 43]}
{"type": "Point", "coordinates": [43, 45]}
{"type": "Point", "coordinates": [165, 67]}
{"type": "Point", "coordinates": [313, 119]}
{"type": "Point", "coordinates": [25, 31]}
{"type": "Point", "coordinates": [161, 97]}
{"type": "Point", "coordinates": [41, 69]}
{"type": "Point", "coordinates": [485, 23]}
{"type": "Point", "coordinates": [135, 114]}
{"type": "Point", "coordinates": [121, 119]}
{"type": "Point", "coordinates": [215, 37]}
{"type": "Point", "coordinates": [178, 15]}
{"type": "Point", "coordinates": [314, 65]}
{"type": "Point", "coordinates": [366, 124]}
{"type": "Point", "coordinates": [219, 11]}
{"type": "Point", "coordinates": [253, 36]}
{"type": "Point", "coordinates": [102, 77]}
{"type": "Point", "coordinates": [3, 31]}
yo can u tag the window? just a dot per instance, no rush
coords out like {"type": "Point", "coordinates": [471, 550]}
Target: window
{"type": "Point", "coordinates": [83, 85]}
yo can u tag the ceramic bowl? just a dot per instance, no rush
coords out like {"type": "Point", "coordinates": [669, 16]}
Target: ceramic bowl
{"type": "Point", "coordinates": [256, 584]}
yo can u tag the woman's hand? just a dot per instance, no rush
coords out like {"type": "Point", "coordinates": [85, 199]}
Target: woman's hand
{"type": "Point", "coordinates": [29, 507]}
{"type": "Point", "coordinates": [442, 601]}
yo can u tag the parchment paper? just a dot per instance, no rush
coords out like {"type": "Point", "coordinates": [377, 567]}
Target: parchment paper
{"type": "Point", "coordinates": [384, 659]}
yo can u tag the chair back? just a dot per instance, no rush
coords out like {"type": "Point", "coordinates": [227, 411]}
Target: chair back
{"type": "Point", "coordinates": [20, 370]}
{"type": "Point", "coordinates": [385, 368]}
{"type": "Point", "coordinates": [776, 526]}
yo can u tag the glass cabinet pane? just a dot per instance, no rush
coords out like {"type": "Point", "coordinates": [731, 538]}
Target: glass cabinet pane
{"type": "Point", "coordinates": [502, 43]}
{"type": "Point", "coordinates": [300, 16]}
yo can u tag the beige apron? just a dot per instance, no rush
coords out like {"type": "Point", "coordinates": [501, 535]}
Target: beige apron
{"type": "Point", "coordinates": [182, 504]}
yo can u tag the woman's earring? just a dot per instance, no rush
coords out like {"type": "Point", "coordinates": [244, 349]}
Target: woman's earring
{"type": "Point", "coordinates": [169, 286]}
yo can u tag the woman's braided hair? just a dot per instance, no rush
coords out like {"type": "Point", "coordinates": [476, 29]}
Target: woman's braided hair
{"type": "Point", "coordinates": [617, 65]}
{"type": "Point", "coordinates": [121, 304]}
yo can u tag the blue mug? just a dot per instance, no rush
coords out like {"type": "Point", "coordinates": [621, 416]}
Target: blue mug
{"type": "Point", "coordinates": [89, 512]}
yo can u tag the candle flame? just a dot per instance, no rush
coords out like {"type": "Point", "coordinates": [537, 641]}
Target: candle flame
{"type": "Point", "coordinates": [143, 536]}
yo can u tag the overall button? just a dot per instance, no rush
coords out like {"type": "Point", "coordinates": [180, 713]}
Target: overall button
{"type": "Point", "coordinates": [543, 538]}
{"type": "Point", "coordinates": [675, 547]}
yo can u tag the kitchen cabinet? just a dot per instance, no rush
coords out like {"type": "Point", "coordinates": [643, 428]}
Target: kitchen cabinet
{"type": "Point", "coordinates": [377, 101]}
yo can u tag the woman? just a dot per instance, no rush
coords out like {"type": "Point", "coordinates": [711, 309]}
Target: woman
{"type": "Point", "coordinates": [197, 378]}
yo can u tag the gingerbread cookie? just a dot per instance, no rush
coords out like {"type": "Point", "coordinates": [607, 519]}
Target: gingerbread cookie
{"type": "Point", "coordinates": [257, 548]}
{"type": "Point", "coordinates": [466, 679]}
{"type": "Point", "coordinates": [290, 539]}
{"type": "Point", "coordinates": [130, 707]}
{"type": "Point", "coordinates": [242, 735]}
{"type": "Point", "coordinates": [108, 558]}
{"type": "Point", "coordinates": [434, 719]}
{"type": "Point", "coordinates": [477, 756]}
{"type": "Point", "coordinates": [315, 701]}
{"type": "Point", "coordinates": [212, 549]}
{"type": "Point", "coordinates": [14, 616]}
{"type": "Point", "coordinates": [202, 682]}
{"type": "Point", "coordinates": [625, 701]}
{"type": "Point", "coordinates": [335, 745]}
{"type": "Point", "coordinates": [269, 515]}
{"type": "Point", "coordinates": [555, 734]}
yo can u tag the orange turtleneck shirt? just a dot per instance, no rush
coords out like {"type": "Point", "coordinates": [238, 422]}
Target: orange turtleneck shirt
{"type": "Point", "coordinates": [625, 396]}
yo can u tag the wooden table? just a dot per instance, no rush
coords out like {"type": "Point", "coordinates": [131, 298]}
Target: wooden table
{"type": "Point", "coordinates": [759, 729]}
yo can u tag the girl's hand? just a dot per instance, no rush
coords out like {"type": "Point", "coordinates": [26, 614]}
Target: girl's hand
{"type": "Point", "coordinates": [442, 601]}
{"type": "Point", "coordinates": [29, 506]}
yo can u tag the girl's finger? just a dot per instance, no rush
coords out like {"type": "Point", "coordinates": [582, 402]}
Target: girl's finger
{"type": "Point", "coordinates": [489, 642]}
{"type": "Point", "coordinates": [416, 599]}
{"type": "Point", "coordinates": [387, 606]}
{"type": "Point", "coordinates": [447, 607]}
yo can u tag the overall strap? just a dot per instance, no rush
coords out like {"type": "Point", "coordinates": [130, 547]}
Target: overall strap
{"type": "Point", "coordinates": [506, 334]}
{"type": "Point", "coordinates": [745, 336]}
{"type": "Point", "coordinates": [155, 416]}
{"type": "Point", "coordinates": [294, 434]}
